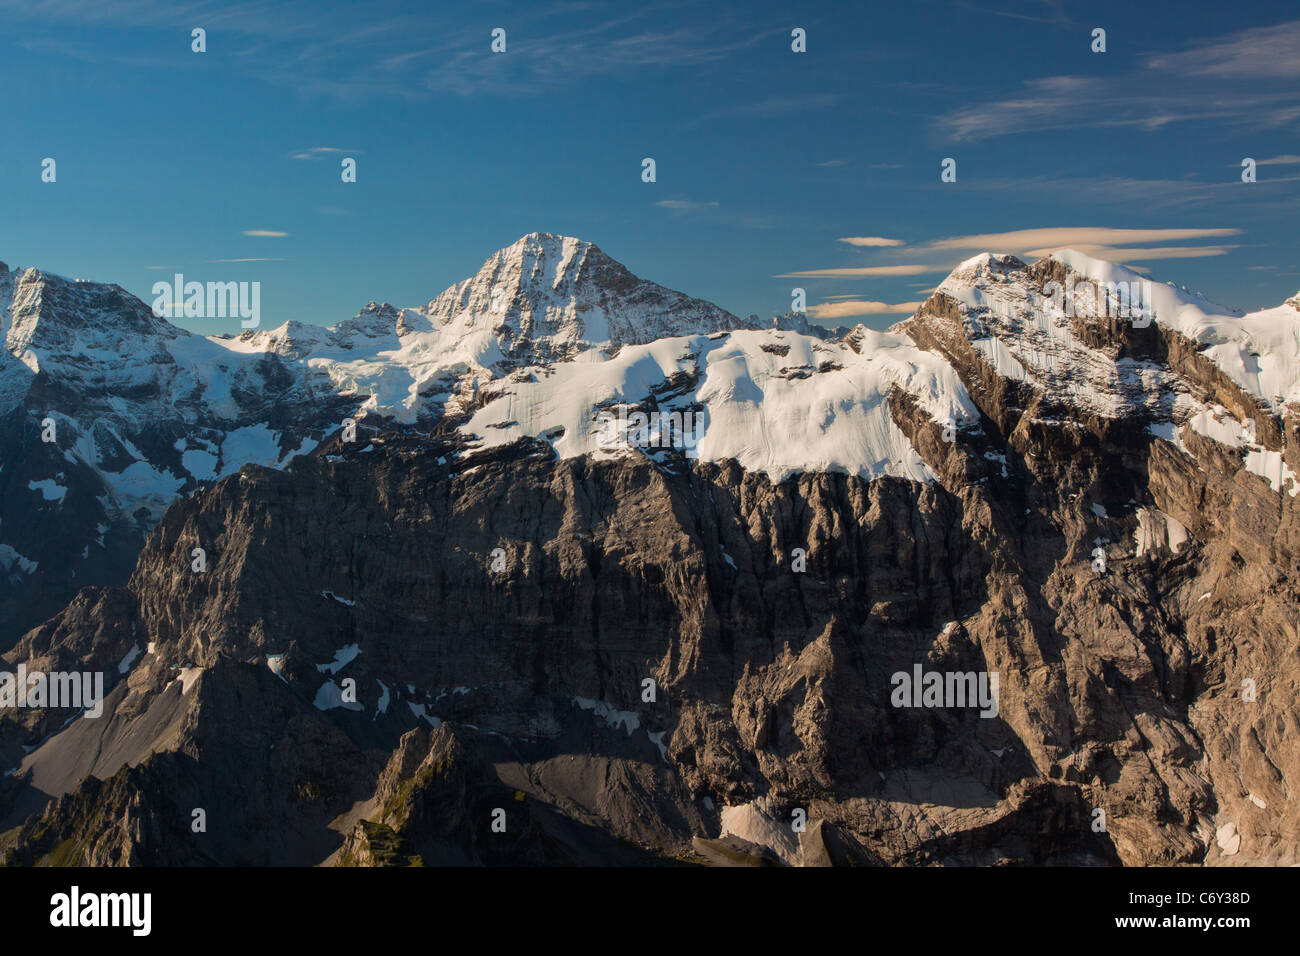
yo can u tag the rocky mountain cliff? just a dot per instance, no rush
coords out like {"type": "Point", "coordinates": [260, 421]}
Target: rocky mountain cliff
{"type": "Point", "coordinates": [482, 633]}
{"type": "Point", "coordinates": [108, 413]}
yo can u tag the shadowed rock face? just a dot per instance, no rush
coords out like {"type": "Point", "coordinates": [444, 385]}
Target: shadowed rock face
{"type": "Point", "coordinates": [614, 573]}
{"type": "Point", "coordinates": [398, 647]}
{"type": "Point", "coordinates": [1118, 691]}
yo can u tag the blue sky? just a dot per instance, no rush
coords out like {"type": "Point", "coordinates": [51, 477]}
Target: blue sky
{"type": "Point", "coordinates": [766, 159]}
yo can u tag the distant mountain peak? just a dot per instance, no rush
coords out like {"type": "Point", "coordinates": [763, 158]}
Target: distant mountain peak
{"type": "Point", "coordinates": [68, 316]}
{"type": "Point", "coordinates": [564, 294]}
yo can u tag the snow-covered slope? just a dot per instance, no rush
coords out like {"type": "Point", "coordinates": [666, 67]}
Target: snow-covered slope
{"type": "Point", "coordinates": [572, 330]}
{"type": "Point", "coordinates": [541, 300]}
{"type": "Point", "coordinates": [123, 377]}
{"type": "Point", "coordinates": [776, 402]}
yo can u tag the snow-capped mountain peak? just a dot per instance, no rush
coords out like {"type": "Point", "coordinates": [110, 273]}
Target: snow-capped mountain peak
{"type": "Point", "coordinates": [555, 296]}
{"type": "Point", "coordinates": [43, 311]}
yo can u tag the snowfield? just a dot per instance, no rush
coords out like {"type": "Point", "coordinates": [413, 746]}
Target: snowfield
{"type": "Point", "coordinates": [777, 402]}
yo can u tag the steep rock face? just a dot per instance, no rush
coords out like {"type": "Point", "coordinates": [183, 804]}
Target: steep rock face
{"type": "Point", "coordinates": [1185, 484]}
{"type": "Point", "coordinates": [1107, 524]}
{"type": "Point", "coordinates": [772, 685]}
{"type": "Point", "coordinates": [113, 413]}
{"type": "Point", "coordinates": [690, 586]}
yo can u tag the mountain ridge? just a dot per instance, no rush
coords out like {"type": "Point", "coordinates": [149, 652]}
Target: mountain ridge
{"type": "Point", "coordinates": [1101, 511]}
{"type": "Point", "coordinates": [145, 411]}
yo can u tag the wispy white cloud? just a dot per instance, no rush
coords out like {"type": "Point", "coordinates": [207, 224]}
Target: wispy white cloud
{"type": "Point", "coordinates": [871, 241]}
{"type": "Point", "coordinates": [851, 307]}
{"type": "Point", "coordinates": [1111, 254]}
{"type": "Point", "coordinates": [1255, 52]}
{"type": "Point", "coordinates": [248, 260]}
{"type": "Point", "coordinates": [684, 205]}
{"type": "Point", "coordinates": [1123, 191]}
{"type": "Point", "coordinates": [1055, 7]}
{"type": "Point", "coordinates": [1070, 102]}
{"type": "Point", "coordinates": [318, 152]}
{"type": "Point", "coordinates": [1056, 237]}
{"type": "Point", "coordinates": [1167, 88]}
{"type": "Point", "coordinates": [406, 53]}
{"type": "Point", "coordinates": [1100, 242]}
{"type": "Point", "coordinates": [265, 233]}
{"type": "Point", "coordinates": [541, 60]}
{"type": "Point", "coordinates": [861, 272]}
{"type": "Point", "coordinates": [771, 108]}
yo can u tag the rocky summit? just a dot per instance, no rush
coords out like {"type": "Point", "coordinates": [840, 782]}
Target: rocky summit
{"type": "Point", "coordinates": [565, 567]}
